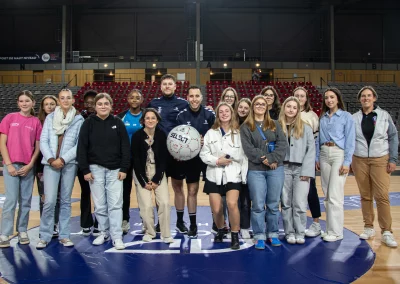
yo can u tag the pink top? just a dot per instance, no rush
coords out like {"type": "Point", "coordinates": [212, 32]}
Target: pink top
{"type": "Point", "coordinates": [22, 133]}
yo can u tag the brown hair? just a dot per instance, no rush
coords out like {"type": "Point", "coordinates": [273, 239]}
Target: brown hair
{"type": "Point", "coordinates": [29, 95]}
{"type": "Point", "coordinates": [168, 76]}
{"type": "Point", "coordinates": [277, 103]}
{"type": "Point", "coordinates": [150, 109]}
{"type": "Point", "coordinates": [236, 101]}
{"type": "Point", "coordinates": [250, 120]}
{"type": "Point", "coordinates": [42, 114]}
{"type": "Point", "coordinates": [298, 124]}
{"type": "Point", "coordinates": [307, 105]}
{"type": "Point", "coordinates": [339, 98]}
{"type": "Point", "coordinates": [103, 96]}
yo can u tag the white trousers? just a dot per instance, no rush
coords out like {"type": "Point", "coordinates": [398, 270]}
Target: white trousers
{"type": "Point", "coordinates": [331, 159]}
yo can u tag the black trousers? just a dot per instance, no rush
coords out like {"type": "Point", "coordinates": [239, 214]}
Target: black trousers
{"type": "Point", "coordinates": [244, 207]}
{"type": "Point", "coordinates": [126, 195]}
{"type": "Point", "coordinates": [313, 200]}
{"type": "Point", "coordinates": [87, 219]}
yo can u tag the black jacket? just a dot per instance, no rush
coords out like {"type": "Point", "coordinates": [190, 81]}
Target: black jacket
{"type": "Point", "coordinates": [139, 149]}
{"type": "Point", "coordinates": [104, 143]}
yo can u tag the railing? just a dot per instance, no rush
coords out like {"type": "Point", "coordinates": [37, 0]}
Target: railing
{"type": "Point", "coordinates": [266, 55]}
{"type": "Point", "coordinates": [35, 79]}
{"type": "Point", "coordinates": [373, 78]}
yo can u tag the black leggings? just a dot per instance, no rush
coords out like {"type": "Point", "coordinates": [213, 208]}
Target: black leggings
{"type": "Point", "coordinates": [313, 200]}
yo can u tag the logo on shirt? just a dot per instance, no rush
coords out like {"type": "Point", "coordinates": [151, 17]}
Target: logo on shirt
{"type": "Point", "coordinates": [29, 127]}
{"type": "Point", "coordinates": [14, 124]}
{"type": "Point", "coordinates": [159, 110]}
{"type": "Point", "coordinates": [205, 122]}
{"type": "Point", "coordinates": [188, 123]}
{"type": "Point", "coordinates": [114, 127]}
{"type": "Point", "coordinates": [177, 109]}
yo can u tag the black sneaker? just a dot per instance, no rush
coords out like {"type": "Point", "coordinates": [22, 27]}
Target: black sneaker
{"type": "Point", "coordinates": [181, 227]}
{"type": "Point", "coordinates": [157, 227]}
{"type": "Point", "coordinates": [55, 232]}
{"type": "Point", "coordinates": [219, 237]}
{"type": "Point", "coordinates": [235, 241]}
{"type": "Point", "coordinates": [214, 228]}
{"type": "Point", "coordinates": [96, 232]}
{"type": "Point", "coordinates": [86, 232]}
{"type": "Point", "coordinates": [192, 232]}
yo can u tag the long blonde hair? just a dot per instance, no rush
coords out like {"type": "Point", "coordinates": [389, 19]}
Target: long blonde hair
{"type": "Point", "coordinates": [233, 124]}
{"type": "Point", "coordinates": [250, 120]}
{"type": "Point", "coordinates": [298, 124]}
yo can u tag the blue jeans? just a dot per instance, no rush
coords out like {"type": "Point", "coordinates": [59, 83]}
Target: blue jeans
{"type": "Point", "coordinates": [265, 189]}
{"type": "Point", "coordinates": [107, 193]}
{"type": "Point", "coordinates": [17, 189]}
{"type": "Point", "coordinates": [52, 177]}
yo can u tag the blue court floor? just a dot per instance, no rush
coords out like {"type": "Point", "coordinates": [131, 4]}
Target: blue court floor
{"type": "Point", "coordinates": [186, 260]}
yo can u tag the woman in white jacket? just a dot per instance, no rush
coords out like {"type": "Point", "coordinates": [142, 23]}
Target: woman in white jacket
{"type": "Point", "coordinates": [226, 170]}
{"type": "Point", "coordinates": [58, 145]}
{"type": "Point", "coordinates": [375, 157]}
{"type": "Point", "coordinates": [299, 170]}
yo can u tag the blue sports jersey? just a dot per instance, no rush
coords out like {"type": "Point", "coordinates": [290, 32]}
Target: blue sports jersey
{"type": "Point", "coordinates": [202, 119]}
{"type": "Point", "coordinates": [168, 108]}
{"type": "Point", "coordinates": [132, 123]}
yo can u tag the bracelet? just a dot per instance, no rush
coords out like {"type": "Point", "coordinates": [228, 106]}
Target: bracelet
{"type": "Point", "coordinates": [8, 164]}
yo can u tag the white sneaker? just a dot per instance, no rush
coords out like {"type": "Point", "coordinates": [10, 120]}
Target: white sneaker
{"type": "Point", "coordinates": [332, 238]}
{"type": "Point", "coordinates": [168, 240]}
{"type": "Point", "coordinates": [143, 228]}
{"type": "Point", "coordinates": [228, 236]}
{"type": "Point", "coordinates": [388, 239]}
{"type": "Point", "coordinates": [125, 226]}
{"type": "Point", "coordinates": [101, 239]}
{"type": "Point", "coordinates": [147, 238]}
{"type": "Point", "coordinates": [300, 240]}
{"type": "Point", "coordinates": [291, 239]}
{"type": "Point", "coordinates": [367, 234]}
{"type": "Point", "coordinates": [41, 244]}
{"type": "Point", "coordinates": [245, 233]}
{"type": "Point", "coordinates": [323, 234]}
{"type": "Point", "coordinates": [314, 230]}
{"type": "Point", "coordinates": [118, 244]}
{"type": "Point", "coordinates": [66, 242]}
{"type": "Point", "coordinates": [23, 238]}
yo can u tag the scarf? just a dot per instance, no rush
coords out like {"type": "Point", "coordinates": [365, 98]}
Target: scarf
{"type": "Point", "coordinates": [60, 123]}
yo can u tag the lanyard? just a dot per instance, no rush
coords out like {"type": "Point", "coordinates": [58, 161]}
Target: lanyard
{"type": "Point", "coordinates": [261, 132]}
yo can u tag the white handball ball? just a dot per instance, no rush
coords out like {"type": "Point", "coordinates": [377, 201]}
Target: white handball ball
{"type": "Point", "coordinates": [184, 142]}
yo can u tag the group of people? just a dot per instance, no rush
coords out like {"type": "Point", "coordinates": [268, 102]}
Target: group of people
{"type": "Point", "coordinates": [257, 156]}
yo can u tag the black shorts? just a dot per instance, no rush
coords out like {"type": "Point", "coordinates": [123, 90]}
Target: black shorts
{"type": "Point", "coordinates": [189, 170]}
{"type": "Point", "coordinates": [212, 187]}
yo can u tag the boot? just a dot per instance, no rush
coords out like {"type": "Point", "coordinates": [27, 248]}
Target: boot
{"type": "Point", "coordinates": [235, 240]}
{"type": "Point", "coordinates": [219, 236]}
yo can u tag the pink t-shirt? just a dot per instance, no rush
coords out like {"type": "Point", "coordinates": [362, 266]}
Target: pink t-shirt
{"type": "Point", "coordinates": [22, 133]}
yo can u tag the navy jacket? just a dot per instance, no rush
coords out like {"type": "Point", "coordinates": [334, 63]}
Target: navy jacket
{"type": "Point", "coordinates": [202, 120]}
{"type": "Point", "coordinates": [168, 108]}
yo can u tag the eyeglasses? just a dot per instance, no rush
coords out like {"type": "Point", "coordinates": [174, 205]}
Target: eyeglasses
{"type": "Point", "coordinates": [268, 95]}
{"type": "Point", "coordinates": [260, 105]}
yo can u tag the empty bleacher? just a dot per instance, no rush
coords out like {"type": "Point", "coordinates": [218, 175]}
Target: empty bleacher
{"type": "Point", "coordinates": [9, 92]}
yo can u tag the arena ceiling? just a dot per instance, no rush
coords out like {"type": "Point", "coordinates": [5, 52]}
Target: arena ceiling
{"type": "Point", "coordinates": [211, 4]}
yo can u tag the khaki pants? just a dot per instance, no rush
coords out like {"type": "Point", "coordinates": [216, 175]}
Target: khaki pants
{"type": "Point", "coordinates": [147, 210]}
{"type": "Point", "coordinates": [373, 182]}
